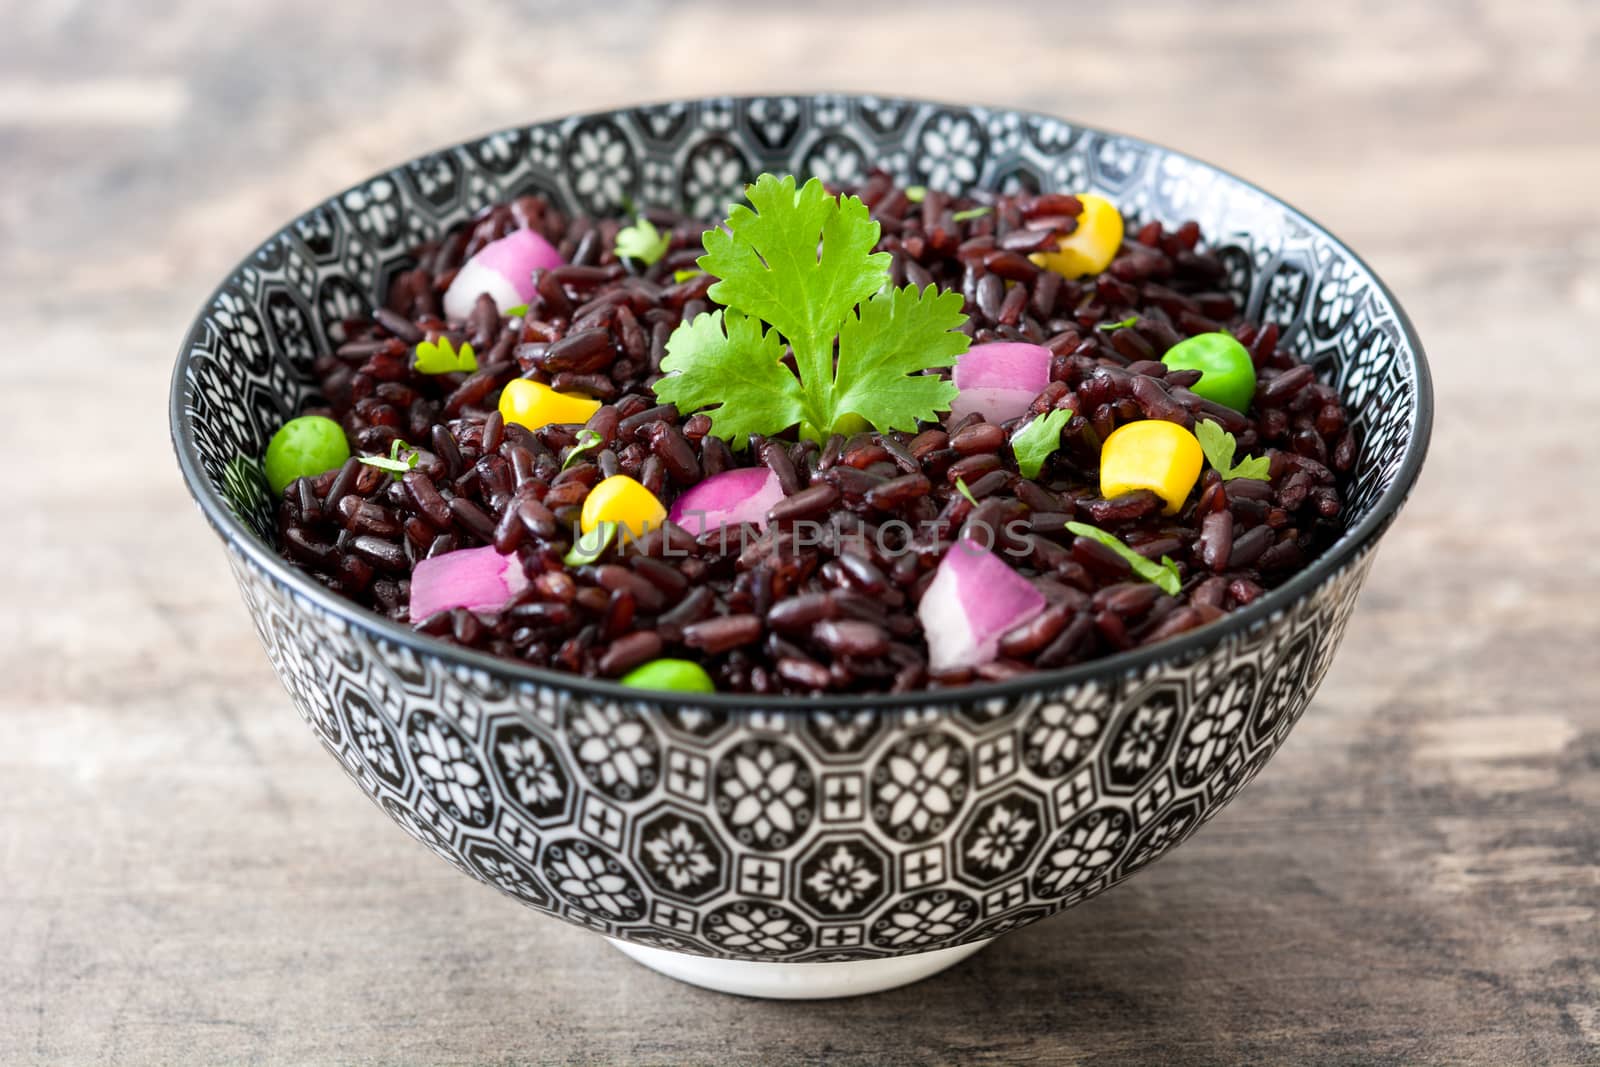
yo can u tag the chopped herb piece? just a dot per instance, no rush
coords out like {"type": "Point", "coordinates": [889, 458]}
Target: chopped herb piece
{"type": "Point", "coordinates": [394, 464]}
{"type": "Point", "coordinates": [587, 441]}
{"type": "Point", "coordinates": [441, 357]}
{"type": "Point", "coordinates": [1131, 320]}
{"type": "Point", "coordinates": [1038, 441]}
{"type": "Point", "coordinates": [1219, 446]}
{"type": "Point", "coordinates": [916, 193]}
{"type": "Point", "coordinates": [590, 546]}
{"type": "Point", "coordinates": [1163, 574]}
{"type": "Point", "coordinates": [961, 487]}
{"type": "Point", "coordinates": [642, 241]}
{"type": "Point", "coordinates": [800, 263]}
{"type": "Point", "coordinates": [680, 276]}
{"type": "Point", "coordinates": [971, 213]}
{"type": "Point", "coordinates": [518, 312]}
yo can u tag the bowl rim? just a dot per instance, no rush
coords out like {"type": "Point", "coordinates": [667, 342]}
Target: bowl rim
{"type": "Point", "coordinates": [1350, 544]}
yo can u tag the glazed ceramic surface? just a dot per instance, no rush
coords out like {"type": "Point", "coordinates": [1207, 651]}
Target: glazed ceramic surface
{"type": "Point", "coordinates": [789, 830]}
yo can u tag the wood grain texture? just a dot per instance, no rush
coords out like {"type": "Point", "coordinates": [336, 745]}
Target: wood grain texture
{"type": "Point", "coordinates": [184, 875]}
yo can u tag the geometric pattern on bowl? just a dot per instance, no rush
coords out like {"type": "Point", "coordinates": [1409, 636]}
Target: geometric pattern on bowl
{"type": "Point", "coordinates": [787, 829]}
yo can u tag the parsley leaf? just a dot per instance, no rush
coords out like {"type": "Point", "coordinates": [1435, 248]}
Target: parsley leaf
{"type": "Point", "coordinates": [915, 194]}
{"type": "Point", "coordinates": [971, 213]}
{"type": "Point", "coordinates": [394, 464]}
{"type": "Point", "coordinates": [1131, 320]}
{"type": "Point", "coordinates": [590, 546]}
{"type": "Point", "coordinates": [1219, 446]}
{"type": "Point", "coordinates": [680, 276]}
{"type": "Point", "coordinates": [441, 357]}
{"type": "Point", "coordinates": [1163, 574]}
{"type": "Point", "coordinates": [801, 262]}
{"type": "Point", "coordinates": [771, 268]}
{"type": "Point", "coordinates": [898, 334]}
{"type": "Point", "coordinates": [642, 241]}
{"type": "Point", "coordinates": [587, 441]}
{"type": "Point", "coordinates": [738, 369]}
{"type": "Point", "coordinates": [961, 487]}
{"type": "Point", "coordinates": [1038, 441]}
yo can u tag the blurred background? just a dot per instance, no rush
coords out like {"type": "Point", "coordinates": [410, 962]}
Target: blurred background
{"type": "Point", "coordinates": [185, 876]}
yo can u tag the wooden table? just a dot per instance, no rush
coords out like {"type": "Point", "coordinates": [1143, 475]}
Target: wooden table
{"type": "Point", "coordinates": [185, 876]}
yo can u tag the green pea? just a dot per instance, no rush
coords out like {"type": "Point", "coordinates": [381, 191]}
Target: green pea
{"type": "Point", "coordinates": [673, 675]}
{"type": "Point", "coordinates": [302, 448]}
{"type": "Point", "coordinates": [1227, 373]}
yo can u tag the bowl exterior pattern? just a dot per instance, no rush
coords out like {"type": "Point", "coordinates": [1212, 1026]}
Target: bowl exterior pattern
{"type": "Point", "coordinates": [822, 835]}
{"type": "Point", "coordinates": [780, 834]}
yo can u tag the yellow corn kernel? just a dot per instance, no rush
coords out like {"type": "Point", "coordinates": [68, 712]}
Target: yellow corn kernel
{"type": "Point", "coordinates": [1151, 454]}
{"type": "Point", "coordinates": [622, 500]}
{"type": "Point", "coordinates": [532, 405]}
{"type": "Point", "coordinates": [1092, 246]}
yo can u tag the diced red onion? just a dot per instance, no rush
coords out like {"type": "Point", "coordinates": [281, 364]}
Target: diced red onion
{"type": "Point", "coordinates": [503, 269]}
{"type": "Point", "coordinates": [727, 499]}
{"type": "Point", "coordinates": [974, 598]}
{"type": "Point", "coordinates": [478, 579]}
{"type": "Point", "coordinates": [1000, 380]}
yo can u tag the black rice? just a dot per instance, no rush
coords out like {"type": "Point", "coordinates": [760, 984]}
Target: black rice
{"type": "Point", "coordinates": [826, 599]}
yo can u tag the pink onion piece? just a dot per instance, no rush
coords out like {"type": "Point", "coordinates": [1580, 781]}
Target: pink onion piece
{"type": "Point", "coordinates": [1000, 380]}
{"type": "Point", "coordinates": [478, 579]}
{"type": "Point", "coordinates": [503, 269]}
{"type": "Point", "coordinates": [974, 598]}
{"type": "Point", "coordinates": [727, 499]}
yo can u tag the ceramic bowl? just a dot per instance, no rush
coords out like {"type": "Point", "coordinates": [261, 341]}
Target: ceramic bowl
{"type": "Point", "coordinates": [790, 847]}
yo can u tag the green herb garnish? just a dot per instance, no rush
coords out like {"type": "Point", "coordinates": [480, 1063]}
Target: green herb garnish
{"type": "Point", "coordinates": [394, 464]}
{"type": "Point", "coordinates": [642, 241]}
{"type": "Point", "coordinates": [681, 276]}
{"type": "Point", "coordinates": [961, 487]}
{"type": "Point", "coordinates": [441, 357]}
{"type": "Point", "coordinates": [1038, 441]}
{"type": "Point", "coordinates": [588, 440]}
{"type": "Point", "coordinates": [1131, 320]}
{"type": "Point", "coordinates": [1163, 574]}
{"type": "Point", "coordinates": [916, 193]}
{"type": "Point", "coordinates": [1219, 446]}
{"type": "Point", "coordinates": [800, 262]}
{"type": "Point", "coordinates": [520, 311]}
{"type": "Point", "coordinates": [971, 213]}
{"type": "Point", "coordinates": [590, 546]}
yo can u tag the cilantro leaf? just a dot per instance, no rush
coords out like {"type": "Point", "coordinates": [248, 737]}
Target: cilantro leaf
{"type": "Point", "coordinates": [1038, 441]}
{"type": "Point", "coordinates": [899, 333]}
{"type": "Point", "coordinates": [1219, 446]}
{"type": "Point", "coordinates": [971, 213]}
{"type": "Point", "coordinates": [1131, 320]}
{"type": "Point", "coordinates": [1163, 574]}
{"type": "Point", "coordinates": [590, 546]}
{"type": "Point", "coordinates": [738, 369]}
{"type": "Point", "coordinates": [642, 241]}
{"type": "Point", "coordinates": [440, 357]}
{"type": "Point", "coordinates": [587, 441]}
{"type": "Point", "coordinates": [801, 262]}
{"type": "Point", "coordinates": [393, 464]}
{"type": "Point", "coordinates": [961, 487]}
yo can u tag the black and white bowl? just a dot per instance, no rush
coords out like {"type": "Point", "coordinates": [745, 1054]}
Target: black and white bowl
{"type": "Point", "coordinates": [790, 847]}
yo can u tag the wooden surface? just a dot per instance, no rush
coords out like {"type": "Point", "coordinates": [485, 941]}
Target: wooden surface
{"type": "Point", "coordinates": [186, 876]}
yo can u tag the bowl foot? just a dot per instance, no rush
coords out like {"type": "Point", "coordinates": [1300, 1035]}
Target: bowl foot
{"type": "Point", "coordinates": [797, 981]}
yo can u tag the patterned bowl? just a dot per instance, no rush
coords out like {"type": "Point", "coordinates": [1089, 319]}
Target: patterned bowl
{"type": "Point", "coordinates": [726, 839]}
